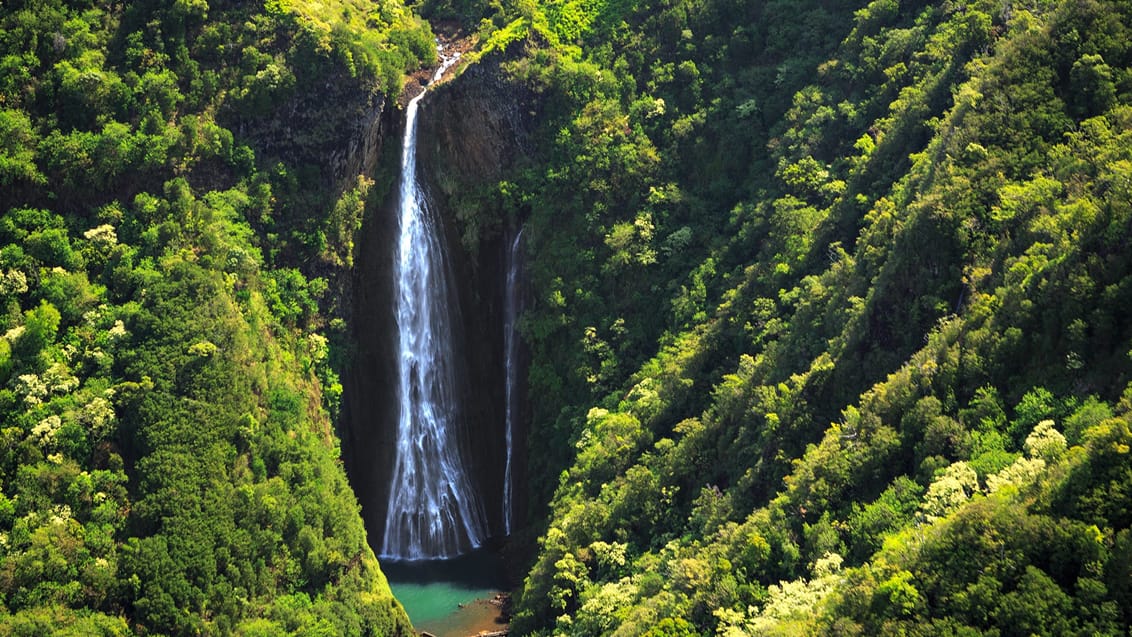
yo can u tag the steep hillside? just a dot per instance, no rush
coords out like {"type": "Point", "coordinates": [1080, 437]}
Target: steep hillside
{"type": "Point", "coordinates": [828, 324]}
{"type": "Point", "coordinates": [167, 463]}
{"type": "Point", "coordinates": [830, 330]}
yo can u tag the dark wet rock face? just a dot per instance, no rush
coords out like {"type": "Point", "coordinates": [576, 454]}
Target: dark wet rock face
{"type": "Point", "coordinates": [473, 129]}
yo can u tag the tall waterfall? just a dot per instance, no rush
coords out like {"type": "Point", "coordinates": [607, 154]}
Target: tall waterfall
{"type": "Point", "coordinates": [433, 510]}
{"type": "Point", "coordinates": [511, 309]}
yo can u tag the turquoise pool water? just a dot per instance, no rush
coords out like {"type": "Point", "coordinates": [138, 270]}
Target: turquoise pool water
{"type": "Point", "coordinates": [433, 592]}
{"type": "Point", "coordinates": [435, 607]}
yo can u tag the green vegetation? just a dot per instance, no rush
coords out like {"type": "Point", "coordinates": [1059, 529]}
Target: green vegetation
{"type": "Point", "coordinates": [829, 336]}
{"type": "Point", "coordinates": [830, 331]}
{"type": "Point", "coordinates": [382, 38]}
{"type": "Point", "coordinates": [167, 463]}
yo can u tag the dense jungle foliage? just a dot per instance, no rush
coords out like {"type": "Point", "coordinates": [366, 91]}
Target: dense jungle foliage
{"type": "Point", "coordinates": [830, 327]}
{"type": "Point", "coordinates": [167, 460]}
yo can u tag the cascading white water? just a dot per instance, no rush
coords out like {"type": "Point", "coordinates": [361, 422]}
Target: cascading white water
{"type": "Point", "coordinates": [433, 510]}
{"type": "Point", "coordinates": [511, 308]}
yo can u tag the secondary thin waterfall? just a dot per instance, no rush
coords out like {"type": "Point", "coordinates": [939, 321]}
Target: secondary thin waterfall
{"type": "Point", "coordinates": [433, 510]}
{"type": "Point", "coordinates": [511, 309]}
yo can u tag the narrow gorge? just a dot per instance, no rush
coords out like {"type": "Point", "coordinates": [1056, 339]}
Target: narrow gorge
{"type": "Point", "coordinates": [434, 406]}
{"type": "Point", "coordinates": [710, 317]}
{"type": "Point", "coordinates": [433, 512]}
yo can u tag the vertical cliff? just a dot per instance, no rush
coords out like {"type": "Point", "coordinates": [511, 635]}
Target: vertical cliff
{"type": "Point", "coordinates": [367, 423]}
{"type": "Point", "coordinates": [473, 129]}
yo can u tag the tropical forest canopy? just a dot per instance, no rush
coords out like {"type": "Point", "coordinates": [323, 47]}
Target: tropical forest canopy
{"type": "Point", "coordinates": [829, 323]}
{"type": "Point", "coordinates": [167, 458]}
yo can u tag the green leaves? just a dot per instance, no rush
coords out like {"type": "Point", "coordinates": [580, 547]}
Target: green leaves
{"type": "Point", "coordinates": [165, 450]}
{"type": "Point", "coordinates": [902, 278]}
{"type": "Point", "coordinates": [17, 150]}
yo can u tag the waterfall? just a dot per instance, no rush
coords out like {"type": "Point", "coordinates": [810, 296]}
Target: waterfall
{"type": "Point", "coordinates": [433, 510]}
{"type": "Point", "coordinates": [511, 309]}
